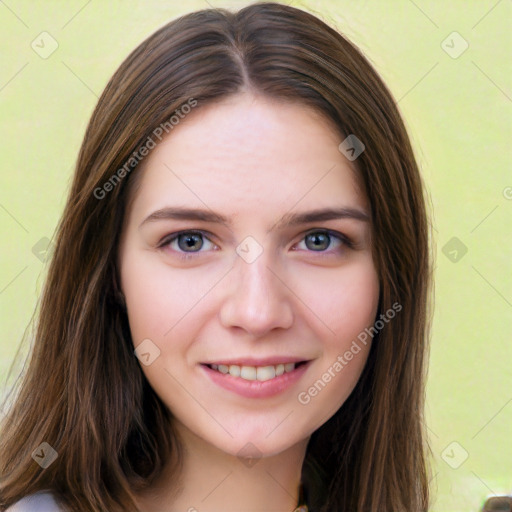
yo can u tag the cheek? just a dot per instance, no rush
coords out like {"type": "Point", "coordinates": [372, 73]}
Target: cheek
{"type": "Point", "coordinates": [156, 297]}
{"type": "Point", "coordinates": [344, 300]}
{"type": "Point", "coordinates": [357, 301]}
{"type": "Point", "coordinates": [147, 303]}
{"type": "Point", "coordinates": [348, 307]}
{"type": "Point", "coordinates": [160, 301]}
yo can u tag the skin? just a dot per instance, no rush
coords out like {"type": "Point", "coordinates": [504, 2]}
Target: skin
{"type": "Point", "coordinates": [252, 160]}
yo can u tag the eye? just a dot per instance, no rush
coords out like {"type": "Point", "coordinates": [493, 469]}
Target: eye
{"type": "Point", "coordinates": [320, 240]}
{"type": "Point", "coordinates": [187, 242]}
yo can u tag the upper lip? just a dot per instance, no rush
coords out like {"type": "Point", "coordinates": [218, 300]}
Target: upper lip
{"type": "Point", "coordinates": [252, 361]}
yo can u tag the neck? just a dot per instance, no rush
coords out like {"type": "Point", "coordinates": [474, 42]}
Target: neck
{"type": "Point", "coordinates": [214, 481]}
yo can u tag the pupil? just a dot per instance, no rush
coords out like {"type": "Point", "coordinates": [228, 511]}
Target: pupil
{"type": "Point", "coordinates": [189, 241]}
{"type": "Point", "coordinates": [320, 241]}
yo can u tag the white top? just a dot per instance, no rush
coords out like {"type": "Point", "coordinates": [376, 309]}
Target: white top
{"type": "Point", "coordinates": [37, 502]}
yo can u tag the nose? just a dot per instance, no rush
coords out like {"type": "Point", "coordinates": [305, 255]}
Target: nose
{"type": "Point", "coordinates": [256, 300]}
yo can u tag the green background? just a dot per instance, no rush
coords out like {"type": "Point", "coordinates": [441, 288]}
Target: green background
{"type": "Point", "coordinates": [458, 112]}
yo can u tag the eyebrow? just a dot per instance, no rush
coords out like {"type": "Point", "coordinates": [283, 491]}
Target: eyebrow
{"type": "Point", "coordinates": [288, 220]}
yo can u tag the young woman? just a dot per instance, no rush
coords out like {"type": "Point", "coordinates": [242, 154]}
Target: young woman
{"type": "Point", "coordinates": [235, 316]}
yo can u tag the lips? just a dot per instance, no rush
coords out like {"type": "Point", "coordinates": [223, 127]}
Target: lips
{"type": "Point", "coordinates": [256, 378]}
{"type": "Point", "coordinates": [261, 373]}
{"type": "Point", "coordinates": [262, 361]}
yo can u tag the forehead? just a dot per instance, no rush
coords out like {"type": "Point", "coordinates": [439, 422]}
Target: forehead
{"type": "Point", "coordinates": [249, 154]}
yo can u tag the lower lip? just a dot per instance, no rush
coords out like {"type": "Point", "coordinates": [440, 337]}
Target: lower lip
{"type": "Point", "coordinates": [256, 388]}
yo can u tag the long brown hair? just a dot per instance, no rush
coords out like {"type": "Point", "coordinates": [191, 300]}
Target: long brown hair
{"type": "Point", "coordinates": [84, 392]}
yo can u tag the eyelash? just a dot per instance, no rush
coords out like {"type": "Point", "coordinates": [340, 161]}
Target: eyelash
{"type": "Point", "coordinates": [167, 240]}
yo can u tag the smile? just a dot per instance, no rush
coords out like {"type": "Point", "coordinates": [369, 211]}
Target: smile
{"type": "Point", "coordinates": [261, 373]}
{"type": "Point", "coordinates": [255, 381]}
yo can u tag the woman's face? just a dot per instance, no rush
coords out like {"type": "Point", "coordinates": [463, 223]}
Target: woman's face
{"type": "Point", "coordinates": [229, 265]}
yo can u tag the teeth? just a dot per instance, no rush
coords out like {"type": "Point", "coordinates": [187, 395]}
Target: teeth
{"type": "Point", "coordinates": [261, 373]}
{"type": "Point", "coordinates": [265, 372]}
{"type": "Point", "coordinates": [288, 367]}
{"type": "Point", "coordinates": [248, 372]}
{"type": "Point", "coordinates": [234, 370]}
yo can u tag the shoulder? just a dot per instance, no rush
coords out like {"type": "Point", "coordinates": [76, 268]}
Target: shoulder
{"type": "Point", "coordinates": [42, 501]}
